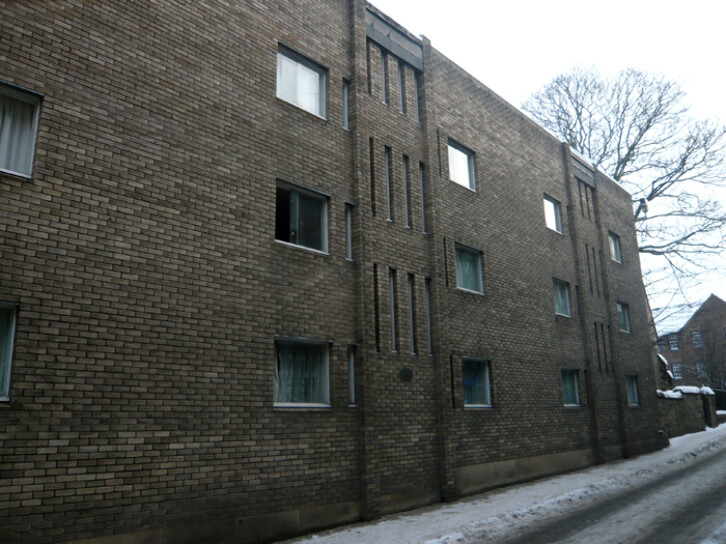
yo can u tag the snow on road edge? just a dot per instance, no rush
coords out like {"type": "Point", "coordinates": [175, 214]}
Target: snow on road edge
{"type": "Point", "coordinates": [494, 514]}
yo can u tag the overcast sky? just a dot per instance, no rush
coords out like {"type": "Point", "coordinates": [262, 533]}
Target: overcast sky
{"type": "Point", "coordinates": [515, 47]}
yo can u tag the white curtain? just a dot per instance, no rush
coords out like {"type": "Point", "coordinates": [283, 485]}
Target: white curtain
{"type": "Point", "coordinates": [16, 135]}
{"type": "Point", "coordinates": [301, 373]}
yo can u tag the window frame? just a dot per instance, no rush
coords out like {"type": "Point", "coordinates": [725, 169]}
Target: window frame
{"type": "Point", "coordinates": [290, 340]}
{"type": "Point", "coordinates": [6, 359]}
{"type": "Point", "coordinates": [487, 383]}
{"type": "Point", "coordinates": [306, 62]}
{"type": "Point", "coordinates": [701, 371]}
{"type": "Point", "coordinates": [345, 106]}
{"type": "Point", "coordinates": [697, 338]}
{"type": "Point", "coordinates": [470, 161]}
{"type": "Point", "coordinates": [673, 342]}
{"type": "Point", "coordinates": [677, 371]}
{"type": "Point", "coordinates": [624, 311]}
{"type": "Point", "coordinates": [632, 390]}
{"type": "Point", "coordinates": [575, 374]}
{"type": "Point", "coordinates": [321, 197]}
{"type": "Point", "coordinates": [349, 231]}
{"type": "Point", "coordinates": [479, 268]}
{"type": "Point", "coordinates": [558, 283]}
{"type": "Point", "coordinates": [21, 94]}
{"type": "Point", "coordinates": [557, 210]}
{"type": "Point", "coordinates": [616, 250]}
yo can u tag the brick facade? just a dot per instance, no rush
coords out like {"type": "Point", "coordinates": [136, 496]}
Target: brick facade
{"type": "Point", "coordinates": [696, 353]}
{"type": "Point", "coordinates": [150, 293]}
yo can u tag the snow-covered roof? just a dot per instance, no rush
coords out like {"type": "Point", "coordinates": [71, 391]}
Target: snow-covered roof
{"type": "Point", "coordinates": [669, 394]}
{"type": "Point", "coordinates": [689, 389]}
{"type": "Point", "coordinates": [663, 359]}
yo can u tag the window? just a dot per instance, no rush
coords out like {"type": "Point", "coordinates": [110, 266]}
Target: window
{"type": "Point", "coordinates": [476, 382]}
{"type": "Point", "coordinates": [7, 335]}
{"type": "Point", "coordinates": [562, 297]}
{"type": "Point", "coordinates": [346, 90]}
{"type": "Point", "coordinates": [468, 269]}
{"type": "Point", "coordinates": [416, 83]}
{"type": "Point", "coordinates": [701, 370]}
{"type": "Point", "coordinates": [696, 339]}
{"type": "Point", "coordinates": [429, 336]}
{"type": "Point", "coordinates": [402, 87]}
{"type": "Point", "coordinates": [301, 373]}
{"type": "Point", "coordinates": [301, 217]}
{"type": "Point", "coordinates": [389, 183]}
{"type": "Point", "coordinates": [301, 82]}
{"type": "Point", "coordinates": [553, 215]}
{"type": "Point", "coordinates": [412, 311]}
{"type": "Point", "coordinates": [349, 232]}
{"type": "Point", "coordinates": [423, 196]}
{"type": "Point", "coordinates": [393, 296]}
{"type": "Point", "coordinates": [461, 166]}
{"type": "Point", "coordinates": [384, 76]}
{"type": "Point", "coordinates": [406, 193]}
{"type": "Point", "coordinates": [631, 386]}
{"type": "Point", "coordinates": [624, 317]}
{"type": "Point", "coordinates": [570, 393]}
{"type": "Point", "coordinates": [351, 375]}
{"type": "Point", "coordinates": [615, 254]}
{"type": "Point", "coordinates": [673, 342]}
{"type": "Point", "coordinates": [677, 371]}
{"type": "Point", "coordinates": [18, 124]}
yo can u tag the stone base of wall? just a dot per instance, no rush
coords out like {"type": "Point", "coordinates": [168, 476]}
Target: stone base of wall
{"type": "Point", "coordinates": [246, 530]}
{"type": "Point", "coordinates": [639, 447]}
{"type": "Point", "coordinates": [476, 478]}
{"type": "Point", "coordinates": [398, 502]}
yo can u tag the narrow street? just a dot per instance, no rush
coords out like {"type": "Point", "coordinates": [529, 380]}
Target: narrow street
{"type": "Point", "coordinates": [674, 495]}
{"type": "Point", "coordinates": [688, 506]}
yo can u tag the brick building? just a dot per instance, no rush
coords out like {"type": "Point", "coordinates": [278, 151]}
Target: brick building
{"type": "Point", "coordinates": [268, 269]}
{"type": "Point", "coordinates": [696, 352]}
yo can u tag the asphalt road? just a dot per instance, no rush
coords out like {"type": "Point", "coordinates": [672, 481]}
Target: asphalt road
{"type": "Point", "coordinates": [685, 507]}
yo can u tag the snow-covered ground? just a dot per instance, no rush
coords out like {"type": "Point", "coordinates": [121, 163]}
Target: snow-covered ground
{"type": "Point", "coordinates": [503, 512]}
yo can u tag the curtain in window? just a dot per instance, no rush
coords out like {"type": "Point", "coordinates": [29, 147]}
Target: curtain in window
{"type": "Point", "coordinates": [7, 318]}
{"type": "Point", "coordinates": [569, 387]}
{"type": "Point", "coordinates": [16, 134]}
{"type": "Point", "coordinates": [562, 298]}
{"type": "Point", "coordinates": [308, 89]}
{"type": "Point", "coordinates": [301, 373]}
{"type": "Point", "coordinates": [468, 270]}
{"type": "Point", "coordinates": [475, 377]}
{"type": "Point", "coordinates": [632, 387]}
{"type": "Point", "coordinates": [459, 167]}
{"type": "Point", "coordinates": [286, 78]}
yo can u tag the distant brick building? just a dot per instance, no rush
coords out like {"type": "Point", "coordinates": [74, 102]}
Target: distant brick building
{"type": "Point", "coordinates": [696, 353]}
{"type": "Point", "coordinates": [268, 267]}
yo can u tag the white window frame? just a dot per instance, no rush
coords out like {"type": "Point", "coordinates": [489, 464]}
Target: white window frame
{"type": "Point", "coordinates": [557, 285]}
{"type": "Point", "coordinates": [325, 344]}
{"type": "Point", "coordinates": [616, 252]}
{"type": "Point", "coordinates": [574, 374]}
{"type": "Point", "coordinates": [631, 387]}
{"type": "Point", "coordinates": [555, 215]}
{"type": "Point", "coordinates": [677, 371]}
{"type": "Point", "coordinates": [460, 248]}
{"type": "Point", "coordinates": [302, 62]}
{"type": "Point", "coordinates": [673, 343]}
{"type": "Point", "coordinates": [487, 382]}
{"type": "Point", "coordinates": [696, 339]}
{"type": "Point", "coordinates": [323, 198]}
{"type": "Point", "coordinates": [19, 94]}
{"type": "Point", "coordinates": [701, 370]}
{"type": "Point", "coordinates": [624, 312]}
{"type": "Point", "coordinates": [455, 153]}
{"type": "Point", "coordinates": [6, 356]}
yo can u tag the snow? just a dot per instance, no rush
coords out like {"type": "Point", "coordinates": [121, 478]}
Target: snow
{"type": "Point", "coordinates": [689, 389]}
{"type": "Point", "coordinates": [669, 394]}
{"type": "Point", "coordinates": [663, 359]}
{"type": "Point", "coordinates": [494, 514]}
{"type": "Point", "coordinates": [707, 391]}
{"type": "Point", "coordinates": [670, 374]}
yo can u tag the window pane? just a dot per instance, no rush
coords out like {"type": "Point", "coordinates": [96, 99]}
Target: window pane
{"type": "Point", "coordinates": [301, 84]}
{"type": "Point", "coordinates": [17, 120]}
{"type": "Point", "coordinates": [301, 373]}
{"type": "Point", "coordinates": [624, 317]}
{"type": "Point", "coordinates": [631, 383]}
{"type": "Point", "coordinates": [286, 78]}
{"type": "Point", "coordinates": [673, 342]}
{"type": "Point", "coordinates": [7, 329]}
{"type": "Point", "coordinates": [562, 298]}
{"type": "Point", "coordinates": [460, 167]}
{"type": "Point", "coordinates": [468, 269]}
{"type": "Point", "coordinates": [310, 222]}
{"type": "Point", "coordinates": [570, 394]}
{"type": "Point", "coordinates": [552, 214]}
{"type": "Point", "coordinates": [615, 247]}
{"type": "Point", "coordinates": [308, 92]}
{"type": "Point", "coordinates": [475, 377]}
{"type": "Point", "coordinates": [301, 218]}
{"type": "Point", "coordinates": [677, 372]}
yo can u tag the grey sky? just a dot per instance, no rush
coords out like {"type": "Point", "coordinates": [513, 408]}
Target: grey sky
{"type": "Point", "coordinates": [517, 46]}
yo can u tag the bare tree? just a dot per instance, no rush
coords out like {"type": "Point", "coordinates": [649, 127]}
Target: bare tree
{"type": "Point", "coordinates": [637, 129]}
